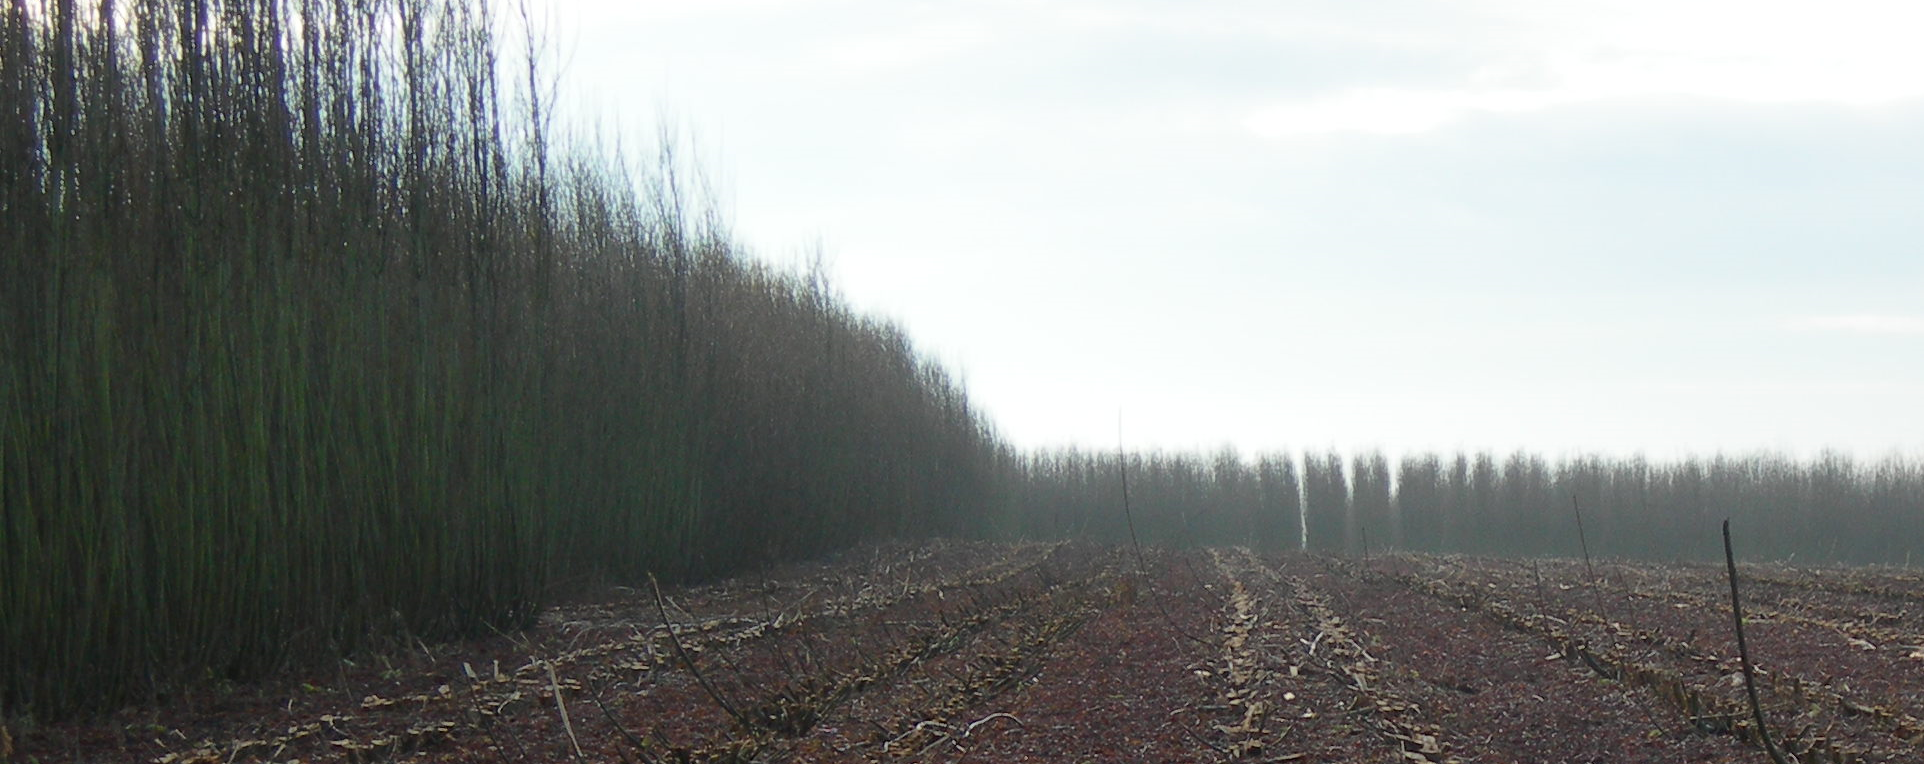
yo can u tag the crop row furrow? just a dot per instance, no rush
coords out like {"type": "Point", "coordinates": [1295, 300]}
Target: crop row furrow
{"type": "Point", "coordinates": [1267, 672]}
{"type": "Point", "coordinates": [1248, 685]}
{"type": "Point", "coordinates": [1713, 706]}
{"type": "Point", "coordinates": [792, 703]}
{"type": "Point", "coordinates": [497, 697]}
{"type": "Point", "coordinates": [1849, 656]}
{"type": "Point", "coordinates": [1393, 717]}
{"type": "Point", "coordinates": [1908, 591]}
{"type": "Point", "coordinates": [1022, 654]}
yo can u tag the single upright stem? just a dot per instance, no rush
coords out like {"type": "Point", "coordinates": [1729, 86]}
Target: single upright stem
{"type": "Point", "coordinates": [1141, 568]}
{"type": "Point", "coordinates": [1122, 460]}
{"type": "Point", "coordinates": [1743, 650]}
{"type": "Point", "coordinates": [1538, 575]}
{"type": "Point", "coordinates": [1585, 544]}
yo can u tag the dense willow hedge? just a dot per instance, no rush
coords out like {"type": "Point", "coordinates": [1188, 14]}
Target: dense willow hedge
{"type": "Point", "coordinates": [307, 336]}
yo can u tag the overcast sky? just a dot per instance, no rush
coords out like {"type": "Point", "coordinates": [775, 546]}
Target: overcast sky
{"type": "Point", "coordinates": [1663, 226]}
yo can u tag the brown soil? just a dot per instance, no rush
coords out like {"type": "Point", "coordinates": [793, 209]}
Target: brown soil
{"type": "Point", "coordinates": [976, 652]}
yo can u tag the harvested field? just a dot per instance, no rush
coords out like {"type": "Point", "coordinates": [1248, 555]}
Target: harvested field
{"type": "Point", "coordinates": [977, 652]}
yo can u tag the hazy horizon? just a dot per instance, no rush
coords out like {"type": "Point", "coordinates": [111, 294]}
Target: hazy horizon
{"type": "Point", "coordinates": [1646, 227]}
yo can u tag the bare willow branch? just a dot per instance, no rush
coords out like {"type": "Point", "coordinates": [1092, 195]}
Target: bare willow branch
{"type": "Point", "coordinates": [689, 662]}
{"type": "Point", "coordinates": [1743, 652]}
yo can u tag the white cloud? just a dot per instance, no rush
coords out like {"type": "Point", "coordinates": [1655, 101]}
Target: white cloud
{"type": "Point", "coordinates": [1861, 324]}
{"type": "Point", "coordinates": [1542, 55]}
{"type": "Point", "coordinates": [898, 48]}
{"type": "Point", "coordinates": [1386, 111]}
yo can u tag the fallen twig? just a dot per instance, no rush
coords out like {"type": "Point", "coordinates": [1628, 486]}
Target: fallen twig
{"type": "Point", "coordinates": [990, 718]}
{"type": "Point", "coordinates": [554, 685]}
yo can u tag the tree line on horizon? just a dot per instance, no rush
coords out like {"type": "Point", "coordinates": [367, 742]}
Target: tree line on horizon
{"type": "Point", "coordinates": [1829, 509]}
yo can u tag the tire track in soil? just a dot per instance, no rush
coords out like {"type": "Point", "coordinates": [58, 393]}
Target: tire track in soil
{"type": "Point", "coordinates": [1377, 702]}
{"type": "Point", "coordinates": [483, 696]}
{"type": "Point", "coordinates": [787, 689]}
{"type": "Point", "coordinates": [1286, 702]}
{"type": "Point", "coordinates": [1505, 695]}
{"type": "Point", "coordinates": [1860, 700]}
{"type": "Point", "coordinates": [781, 672]}
{"type": "Point", "coordinates": [885, 583]}
{"type": "Point", "coordinates": [1774, 594]}
{"type": "Point", "coordinates": [1124, 687]}
{"type": "Point", "coordinates": [1248, 687]}
{"type": "Point", "coordinates": [1855, 604]}
{"type": "Point", "coordinates": [1862, 659]}
{"type": "Point", "coordinates": [934, 702]}
{"type": "Point", "coordinates": [1875, 583]}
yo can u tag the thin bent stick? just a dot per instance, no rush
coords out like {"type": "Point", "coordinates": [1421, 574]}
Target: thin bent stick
{"type": "Point", "coordinates": [1122, 460]}
{"type": "Point", "coordinates": [1585, 543]}
{"type": "Point", "coordinates": [689, 662]}
{"type": "Point", "coordinates": [1743, 651]}
{"type": "Point", "coordinates": [594, 694]}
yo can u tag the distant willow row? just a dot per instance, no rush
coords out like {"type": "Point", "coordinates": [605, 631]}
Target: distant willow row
{"type": "Point", "coordinates": [310, 342]}
{"type": "Point", "coordinates": [1828, 509]}
{"type": "Point", "coordinates": [309, 338]}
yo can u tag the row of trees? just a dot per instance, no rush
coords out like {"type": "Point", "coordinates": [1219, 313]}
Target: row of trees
{"type": "Point", "coordinates": [308, 337]}
{"type": "Point", "coordinates": [1179, 499]}
{"type": "Point", "coordinates": [1828, 509]}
